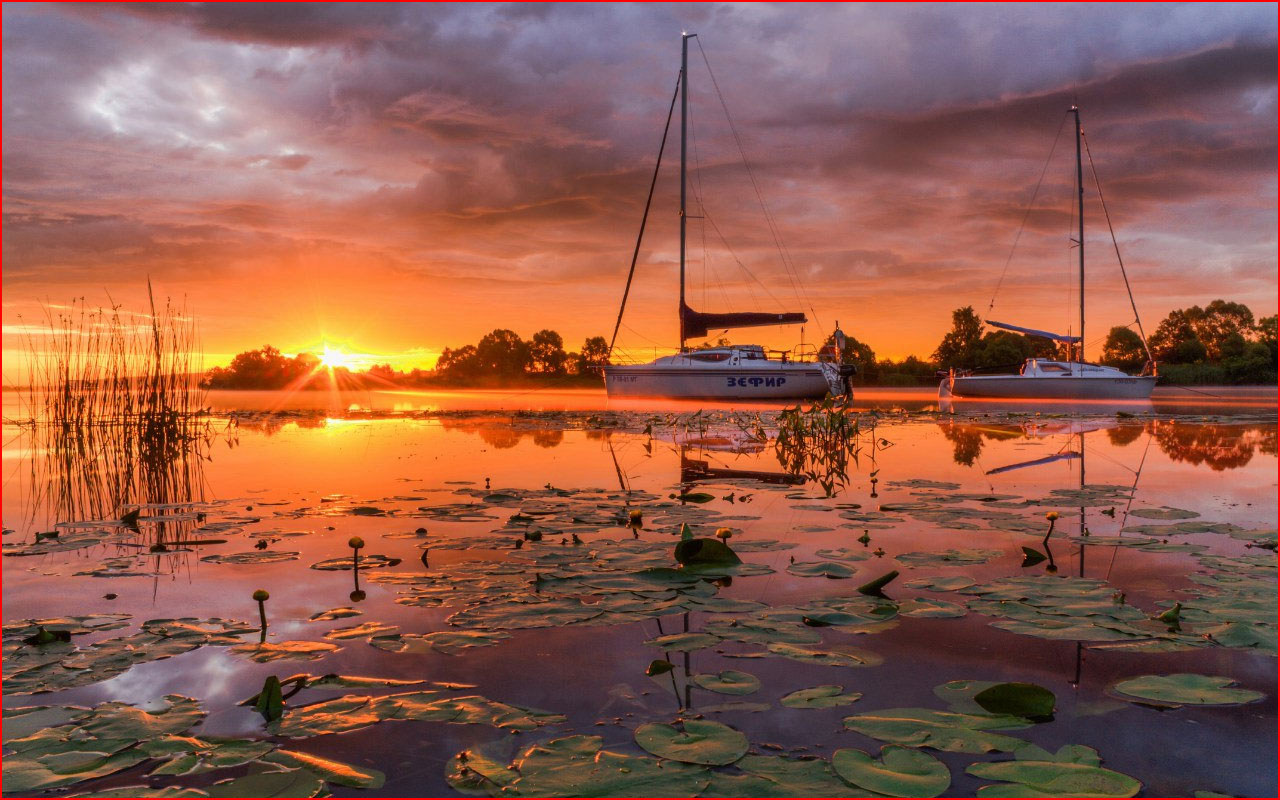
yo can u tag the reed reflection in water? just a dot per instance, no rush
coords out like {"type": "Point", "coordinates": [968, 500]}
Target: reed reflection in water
{"type": "Point", "coordinates": [112, 417]}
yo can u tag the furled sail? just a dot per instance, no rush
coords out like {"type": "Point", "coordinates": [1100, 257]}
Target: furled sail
{"type": "Point", "coordinates": [699, 323]}
{"type": "Point", "coordinates": [1057, 337]}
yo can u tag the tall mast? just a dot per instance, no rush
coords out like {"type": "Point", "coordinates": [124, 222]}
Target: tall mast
{"type": "Point", "coordinates": [684, 160]}
{"type": "Point", "coordinates": [1080, 216]}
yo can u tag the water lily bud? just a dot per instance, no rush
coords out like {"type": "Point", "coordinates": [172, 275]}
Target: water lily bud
{"type": "Point", "coordinates": [355, 543]}
{"type": "Point", "coordinates": [261, 595]}
{"type": "Point", "coordinates": [635, 516]}
{"type": "Point", "coordinates": [723, 533]}
{"type": "Point", "coordinates": [1051, 516]}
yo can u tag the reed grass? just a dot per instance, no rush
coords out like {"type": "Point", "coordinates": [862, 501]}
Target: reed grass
{"type": "Point", "coordinates": [113, 410]}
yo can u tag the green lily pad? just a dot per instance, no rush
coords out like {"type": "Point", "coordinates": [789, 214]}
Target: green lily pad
{"type": "Point", "coordinates": [447, 642]}
{"type": "Point", "coordinates": [828, 696]}
{"type": "Point", "coordinates": [701, 742]}
{"type": "Point", "coordinates": [265, 652]}
{"type": "Point", "coordinates": [1163, 513]}
{"type": "Point", "coordinates": [899, 772]}
{"type": "Point", "coordinates": [251, 557]}
{"type": "Point", "coordinates": [684, 642]}
{"type": "Point", "coordinates": [526, 614]}
{"type": "Point", "coordinates": [331, 771]}
{"type": "Point", "coordinates": [1186, 689]}
{"type": "Point", "coordinates": [335, 613]}
{"type": "Point", "coordinates": [941, 730]}
{"type": "Point", "coordinates": [706, 553]}
{"type": "Point", "coordinates": [927, 608]}
{"type": "Point", "coordinates": [352, 712]}
{"type": "Point", "coordinates": [283, 783]}
{"type": "Point", "coordinates": [371, 561]}
{"type": "Point", "coordinates": [945, 558]}
{"type": "Point", "coordinates": [360, 631]}
{"type": "Point", "coordinates": [950, 583]}
{"type": "Point", "coordinates": [481, 770]}
{"type": "Point", "coordinates": [1017, 699]}
{"type": "Point", "coordinates": [821, 569]}
{"type": "Point", "coordinates": [833, 655]}
{"type": "Point", "coordinates": [1072, 772]}
{"type": "Point", "coordinates": [575, 766]}
{"type": "Point", "coordinates": [844, 554]}
{"type": "Point", "coordinates": [731, 681]}
{"type": "Point", "coordinates": [777, 776]}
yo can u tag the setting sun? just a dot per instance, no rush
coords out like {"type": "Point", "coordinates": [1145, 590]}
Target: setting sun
{"type": "Point", "coordinates": [332, 358]}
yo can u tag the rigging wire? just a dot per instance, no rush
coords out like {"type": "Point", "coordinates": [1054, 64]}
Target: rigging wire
{"type": "Point", "coordinates": [647, 203]}
{"type": "Point", "coordinates": [1116, 244]}
{"type": "Point", "coordinates": [797, 287]}
{"type": "Point", "coordinates": [1027, 214]}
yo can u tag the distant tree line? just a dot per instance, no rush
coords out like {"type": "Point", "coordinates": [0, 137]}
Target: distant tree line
{"type": "Point", "coordinates": [1221, 343]}
{"type": "Point", "coordinates": [501, 357]}
{"type": "Point", "coordinates": [1218, 344]}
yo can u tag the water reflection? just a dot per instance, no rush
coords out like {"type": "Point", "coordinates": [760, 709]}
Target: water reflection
{"type": "Point", "coordinates": [102, 474]}
{"type": "Point", "coordinates": [1218, 447]}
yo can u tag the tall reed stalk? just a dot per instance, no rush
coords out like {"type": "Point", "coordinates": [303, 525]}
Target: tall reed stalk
{"type": "Point", "coordinates": [116, 413]}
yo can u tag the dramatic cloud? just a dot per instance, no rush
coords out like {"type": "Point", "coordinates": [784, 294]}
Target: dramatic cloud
{"type": "Point", "coordinates": [404, 177]}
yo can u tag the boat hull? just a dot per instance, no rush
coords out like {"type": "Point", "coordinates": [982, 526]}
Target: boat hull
{"type": "Point", "coordinates": [1051, 387]}
{"type": "Point", "coordinates": [783, 382]}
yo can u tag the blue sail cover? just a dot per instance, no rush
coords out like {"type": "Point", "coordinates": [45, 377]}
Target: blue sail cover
{"type": "Point", "coordinates": [1057, 337]}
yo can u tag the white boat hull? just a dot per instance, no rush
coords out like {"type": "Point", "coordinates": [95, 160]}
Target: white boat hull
{"type": "Point", "coordinates": [1058, 387]}
{"type": "Point", "coordinates": [774, 382]}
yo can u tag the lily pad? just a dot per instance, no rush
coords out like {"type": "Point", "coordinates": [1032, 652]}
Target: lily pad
{"type": "Point", "coordinates": [1073, 771]}
{"type": "Point", "coordinates": [899, 772]}
{"type": "Point", "coordinates": [335, 613]}
{"type": "Point", "coordinates": [447, 642]}
{"type": "Point", "coordinates": [575, 766]}
{"type": "Point", "coordinates": [1186, 689]}
{"type": "Point", "coordinates": [265, 652]}
{"type": "Point", "coordinates": [1163, 513]}
{"type": "Point", "coordinates": [701, 742]}
{"type": "Point", "coordinates": [821, 569]}
{"type": "Point", "coordinates": [1017, 699]}
{"type": "Point", "coordinates": [360, 631]}
{"type": "Point", "coordinates": [251, 557]}
{"type": "Point", "coordinates": [941, 730]}
{"type": "Point", "coordinates": [331, 771]}
{"type": "Point", "coordinates": [731, 681]}
{"type": "Point", "coordinates": [705, 552]}
{"type": "Point", "coordinates": [371, 561]}
{"type": "Point", "coordinates": [828, 696]}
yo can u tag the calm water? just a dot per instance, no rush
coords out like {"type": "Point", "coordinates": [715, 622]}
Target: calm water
{"type": "Point", "coordinates": [448, 483]}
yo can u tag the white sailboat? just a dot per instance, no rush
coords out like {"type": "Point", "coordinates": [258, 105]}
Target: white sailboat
{"type": "Point", "coordinates": [735, 372]}
{"type": "Point", "coordinates": [1041, 378]}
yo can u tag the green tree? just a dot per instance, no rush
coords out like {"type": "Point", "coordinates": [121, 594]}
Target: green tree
{"type": "Point", "coordinates": [1266, 333]}
{"type": "Point", "coordinates": [595, 354]}
{"type": "Point", "coordinates": [266, 368]}
{"type": "Point", "coordinates": [1174, 340]}
{"type": "Point", "coordinates": [1123, 349]}
{"type": "Point", "coordinates": [1218, 323]}
{"type": "Point", "coordinates": [502, 353]}
{"type": "Point", "coordinates": [957, 348]}
{"type": "Point", "coordinates": [546, 350]}
{"type": "Point", "coordinates": [460, 364]}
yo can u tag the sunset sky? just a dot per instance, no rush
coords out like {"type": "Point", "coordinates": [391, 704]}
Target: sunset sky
{"type": "Point", "coordinates": [394, 179]}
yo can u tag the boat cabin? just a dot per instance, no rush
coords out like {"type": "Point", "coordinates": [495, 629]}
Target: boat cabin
{"type": "Point", "coordinates": [1042, 368]}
